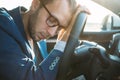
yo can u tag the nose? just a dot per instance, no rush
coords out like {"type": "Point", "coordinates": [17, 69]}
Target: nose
{"type": "Point", "coordinates": [52, 31]}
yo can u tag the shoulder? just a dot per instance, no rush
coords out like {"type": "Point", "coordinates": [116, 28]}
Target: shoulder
{"type": "Point", "coordinates": [8, 26]}
{"type": "Point", "coordinates": [4, 16]}
{"type": "Point", "coordinates": [6, 21]}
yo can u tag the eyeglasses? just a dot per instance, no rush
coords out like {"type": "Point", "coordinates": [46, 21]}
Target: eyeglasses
{"type": "Point", "coordinates": [52, 21]}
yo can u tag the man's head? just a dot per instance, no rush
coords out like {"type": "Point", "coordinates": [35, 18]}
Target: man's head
{"type": "Point", "coordinates": [47, 17]}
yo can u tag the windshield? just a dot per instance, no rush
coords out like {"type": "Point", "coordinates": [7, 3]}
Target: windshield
{"type": "Point", "coordinates": [95, 22]}
{"type": "Point", "coordinates": [101, 18]}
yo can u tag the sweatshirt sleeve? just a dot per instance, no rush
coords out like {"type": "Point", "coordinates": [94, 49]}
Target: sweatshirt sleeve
{"type": "Point", "coordinates": [16, 62]}
{"type": "Point", "coordinates": [50, 65]}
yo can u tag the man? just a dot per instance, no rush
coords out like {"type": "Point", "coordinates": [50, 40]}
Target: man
{"type": "Point", "coordinates": [21, 29]}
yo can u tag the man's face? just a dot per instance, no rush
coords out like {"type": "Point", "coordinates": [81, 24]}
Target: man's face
{"type": "Point", "coordinates": [41, 25]}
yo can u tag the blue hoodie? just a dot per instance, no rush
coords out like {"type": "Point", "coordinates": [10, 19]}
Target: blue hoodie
{"type": "Point", "coordinates": [16, 62]}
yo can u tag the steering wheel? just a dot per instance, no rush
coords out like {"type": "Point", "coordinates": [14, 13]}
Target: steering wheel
{"type": "Point", "coordinates": [103, 66]}
{"type": "Point", "coordinates": [70, 46]}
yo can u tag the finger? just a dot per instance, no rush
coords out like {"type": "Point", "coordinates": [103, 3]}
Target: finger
{"type": "Point", "coordinates": [78, 10]}
{"type": "Point", "coordinates": [85, 9]}
{"type": "Point", "coordinates": [68, 30]}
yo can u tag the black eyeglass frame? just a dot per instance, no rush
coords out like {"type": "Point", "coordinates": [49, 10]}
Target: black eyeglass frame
{"type": "Point", "coordinates": [53, 17]}
{"type": "Point", "coordinates": [50, 16]}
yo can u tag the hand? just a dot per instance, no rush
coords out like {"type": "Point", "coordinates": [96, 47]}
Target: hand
{"type": "Point", "coordinates": [64, 34]}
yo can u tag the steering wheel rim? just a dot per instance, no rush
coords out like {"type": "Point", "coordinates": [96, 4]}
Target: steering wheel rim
{"type": "Point", "coordinates": [72, 40]}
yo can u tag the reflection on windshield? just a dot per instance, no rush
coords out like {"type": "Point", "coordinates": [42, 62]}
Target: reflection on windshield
{"type": "Point", "coordinates": [98, 13]}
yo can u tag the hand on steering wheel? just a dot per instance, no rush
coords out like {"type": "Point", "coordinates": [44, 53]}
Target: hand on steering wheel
{"type": "Point", "coordinates": [64, 34]}
{"type": "Point", "coordinates": [71, 36]}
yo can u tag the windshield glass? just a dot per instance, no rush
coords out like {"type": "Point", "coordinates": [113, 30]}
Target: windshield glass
{"type": "Point", "coordinates": [95, 21]}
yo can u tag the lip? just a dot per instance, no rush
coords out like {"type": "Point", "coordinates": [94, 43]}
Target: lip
{"type": "Point", "coordinates": [39, 36]}
{"type": "Point", "coordinates": [42, 36]}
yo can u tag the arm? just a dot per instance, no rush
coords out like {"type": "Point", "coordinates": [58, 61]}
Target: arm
{"type": "Point", "coordinates": [15, 60]}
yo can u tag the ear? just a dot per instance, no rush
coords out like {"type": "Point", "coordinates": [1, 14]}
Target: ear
{"type": "Point", "coordinates": [35, 5]}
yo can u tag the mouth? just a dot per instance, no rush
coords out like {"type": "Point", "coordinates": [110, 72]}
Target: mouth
{"type": "Point", "coordinates": [42, 36]}
{"type": "Point", "coordinates": [39, 36]}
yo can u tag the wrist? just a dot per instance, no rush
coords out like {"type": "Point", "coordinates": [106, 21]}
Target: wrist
{"type": "Point", "coordinates": [60, 45]}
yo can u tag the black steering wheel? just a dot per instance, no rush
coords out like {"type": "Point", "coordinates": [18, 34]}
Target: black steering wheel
{"type": "Point", "coordinates": [70, 46]}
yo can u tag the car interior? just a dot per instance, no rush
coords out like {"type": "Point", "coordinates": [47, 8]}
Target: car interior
{"type": "Point", "coordinates": [95, 53]}
{"type": "Point", "coordinates": [93, 49]}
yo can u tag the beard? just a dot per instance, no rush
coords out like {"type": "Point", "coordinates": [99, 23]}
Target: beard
{"type": "Point", "coordinates": [31, 30]}
{"type": "Point", "coordinates": [34, 17]}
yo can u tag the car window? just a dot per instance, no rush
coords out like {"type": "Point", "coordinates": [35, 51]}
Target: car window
{"type": "Point", "coordinates": [101, 18]}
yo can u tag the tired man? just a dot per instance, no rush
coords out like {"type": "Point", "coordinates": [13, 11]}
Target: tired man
{"type": "Point", "coordinates": [21, 29]}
